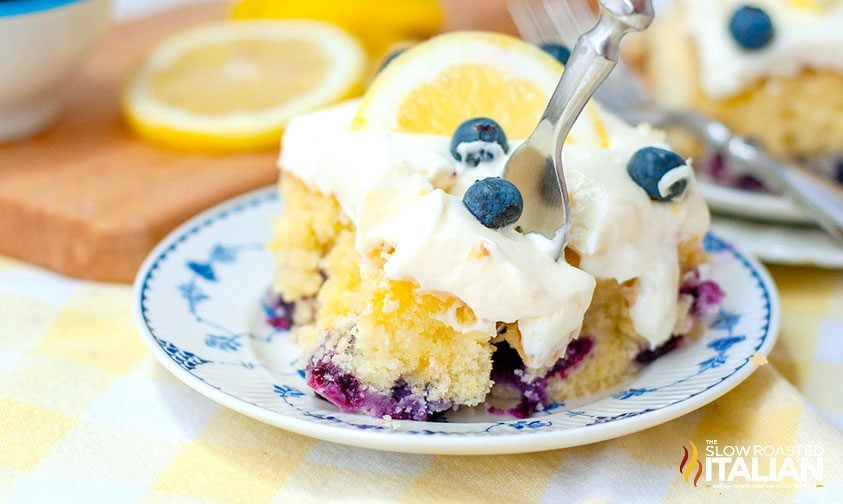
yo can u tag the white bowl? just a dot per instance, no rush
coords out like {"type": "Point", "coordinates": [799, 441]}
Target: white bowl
{"type": "Point", "coordinates": [42, 42]}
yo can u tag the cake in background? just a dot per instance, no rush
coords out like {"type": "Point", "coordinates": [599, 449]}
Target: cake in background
{"type": "Point", "coordinates": [412, 290]}
{"type": "Point", "coordinates": [772, 70]}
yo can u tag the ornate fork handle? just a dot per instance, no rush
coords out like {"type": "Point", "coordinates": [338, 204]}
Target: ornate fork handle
{"type": "Point", "coordinates": [592, 59]}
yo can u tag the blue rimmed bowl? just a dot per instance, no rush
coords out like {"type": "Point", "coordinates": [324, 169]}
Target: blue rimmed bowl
{"type": "Point", "coordinates": [42, 43]}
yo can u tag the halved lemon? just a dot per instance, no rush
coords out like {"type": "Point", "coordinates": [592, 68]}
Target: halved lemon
{"type": "Point", "coordinates": [233, 86]}
{"type": "Point", "coordinates": [434, 86]}
{"type": "Point", "coordinates": [813, 5]}
{"type": "Point", "coordinates": [377, 23]}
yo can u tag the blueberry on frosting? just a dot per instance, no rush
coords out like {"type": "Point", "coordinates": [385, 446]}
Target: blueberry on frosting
{"type": "Point", "coordinates": [663, 174]}
{"type": "Point", "coordinates": [751, 27]}
{"type": "Point", "coordinates": [478, 140]}
{"type": "Point", "coordinates": [558, 51]}
{"type": "Point", "coordinates": [494, 201]}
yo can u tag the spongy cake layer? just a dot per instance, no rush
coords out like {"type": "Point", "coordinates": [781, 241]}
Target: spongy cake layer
{"type": "Point", "coordinates": [384, 330]}
{"type": "Point", "coordinates": [408, 304]}
{"type": "Point", "coordinates": [389, 332]}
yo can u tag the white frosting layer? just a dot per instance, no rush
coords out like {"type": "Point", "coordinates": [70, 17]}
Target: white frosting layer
{"type": "Point", "coordinates": [498, 273]}
{"type": "Point", "coordinates": [404, 192]}
{"type": "Point", "coordinates": [804, 38]}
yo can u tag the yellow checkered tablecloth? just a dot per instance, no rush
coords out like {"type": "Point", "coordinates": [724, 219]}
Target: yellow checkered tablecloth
{"type": "Point", "coordinates": [87, 415]}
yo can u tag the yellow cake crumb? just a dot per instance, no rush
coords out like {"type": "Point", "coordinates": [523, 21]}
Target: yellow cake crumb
{"type": "Point", "coordinates": [387, 330]}
{"type": "Point", "coordinates": [615, 345]}
{"type": "Point", "coordinates": [303, 235]}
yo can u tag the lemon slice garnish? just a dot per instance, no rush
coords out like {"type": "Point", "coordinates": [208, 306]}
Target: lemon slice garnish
{"type": "Point", "coordinates": [434, 86]}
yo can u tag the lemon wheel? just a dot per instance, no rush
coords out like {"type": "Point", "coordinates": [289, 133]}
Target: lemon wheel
{"type": "Point", "coordinates": [233, 86]}
{"type": "Point", "coordinates": [433, 87]}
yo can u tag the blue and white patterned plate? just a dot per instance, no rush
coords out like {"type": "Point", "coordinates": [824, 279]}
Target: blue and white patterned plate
{"type": "Point", "coordinates": [200, 304]}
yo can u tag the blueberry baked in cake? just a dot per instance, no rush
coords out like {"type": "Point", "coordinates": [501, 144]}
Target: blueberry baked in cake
{"type": "Point", "coordinates": [413, 289]}
{"type": "Point", "coordinates": [772, 70]}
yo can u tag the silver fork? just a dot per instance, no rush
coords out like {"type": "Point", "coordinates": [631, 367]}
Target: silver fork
{"type": "Point", "coordinates": [536, 165]}
{"type": "Point", "coordinates": [625, 95]}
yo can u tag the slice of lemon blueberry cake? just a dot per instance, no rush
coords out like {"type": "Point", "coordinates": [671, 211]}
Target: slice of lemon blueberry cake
{"type": "Point", "coordinates": [414, 291]}
{"type": "Point", "coordinates": [772, 70]}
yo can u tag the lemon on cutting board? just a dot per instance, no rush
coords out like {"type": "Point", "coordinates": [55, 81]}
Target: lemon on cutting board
{"type": "Point", "coordinates": [379, 24]}
{"type": "Point", "coordinates": [233, 86]}
{"type": "Point", "coordinates": [434, 86]}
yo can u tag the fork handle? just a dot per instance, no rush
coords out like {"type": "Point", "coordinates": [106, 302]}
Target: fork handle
{"type": "Point", "coordinates": [820, 198]}
{"type": "Point", "coordinates": [593, 57]}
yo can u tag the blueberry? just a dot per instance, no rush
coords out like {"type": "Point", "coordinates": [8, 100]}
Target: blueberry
{"type": "Point", "coordinates": [558, 51]}
{"type": "Point", "coordinates": [474, 141]}
{"type": "Point", "coordinates": [751, 27]}
{"type": "Point", "coordinates": [390, 57]}
{"type": "Point", "coordinates": [748, 182]}
{"type": "Point", "coordinates": [494, 201]}
{"type": "Point", "coordinates": [663, 174]}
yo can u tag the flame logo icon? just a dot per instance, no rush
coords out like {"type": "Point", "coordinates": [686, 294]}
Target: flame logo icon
{"type": "Point", "coordinates": [687, 466]}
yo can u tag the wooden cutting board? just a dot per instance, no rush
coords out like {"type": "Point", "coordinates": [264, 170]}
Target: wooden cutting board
{"type": "Point", "coordinates": [88, 198]}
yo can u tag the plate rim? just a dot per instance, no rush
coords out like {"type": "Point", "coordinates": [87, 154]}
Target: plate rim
{"type": "Point", "coordinates": [759, 206]}
{"type": "Point", "coordinates": [394, 441]}
{"type": "Point", "coordinates": [729, 226]}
